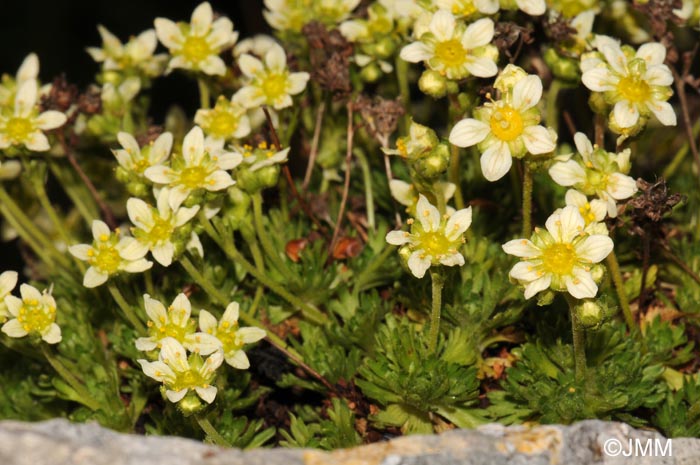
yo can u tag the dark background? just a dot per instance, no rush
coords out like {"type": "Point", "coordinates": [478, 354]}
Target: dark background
{"type": "Point", "coordinates": [59, 31]}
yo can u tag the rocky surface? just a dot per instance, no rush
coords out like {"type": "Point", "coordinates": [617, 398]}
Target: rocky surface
{"type": "Point", "coordinates": [58, 442]}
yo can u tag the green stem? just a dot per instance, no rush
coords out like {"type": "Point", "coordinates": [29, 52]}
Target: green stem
{"type": "Point", "coordinates": [203, 94]}
{"type": "Point", "coordinates": [579, 338]}
{"type": "Point", "coordinates": [440, 198]}
{"type": "Point", "coordinates": [552, 115]}
{"type": "Point", "coordinates": [614, 268]}
{"type": "Point", "coordinates": [126, 308]}
{"type": "Point", "coordinates": [85, 396]}
{"type": "Point", "coordinates": [211, 432]}
{"type": "Point", "coordinates": [31, 230]}
{"type": "Point", "coordinates": [265, 240]}
{"type": "Point", "coordinates": [401, 67]}
{"type": "Point", "coordinates": [76, 191]}
{"type": "Point", "coordinates": [310, 312]}
{"type": "Point", "coordinates": [438, 280]}
{"type": "Point", "coordinates": [453, 176]}
{"type": "Point", "coordinates": [148, 277]}
{"type": "Point", "coordinates": [527, 199]}
{"type": "Point", "coordinates": [369, 194]}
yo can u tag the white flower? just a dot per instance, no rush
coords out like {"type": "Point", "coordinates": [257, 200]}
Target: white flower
{"type": "Point", "coordinates": [292, 15]}
{"type": "Point", "coordinates": [227, 120]}
{"type": "Point", "coordinates": [176, 323]}
{"type": "Point", "coordinates": [597, 172]}
{"type": "Point", "coordinates": [179, 374]}
{"type": "Point", "coordinates": [531, 7]}
{"type": "Point", "coordinates": [506, 128]}
{"type": "Point", "coordinates": [407, 194]}
{"type": "Point", "coordinates": [115, 97]}
{"type": "Point", "coordinates": [28, 71]}
{"type": "Point", "coordinates": [34, 313]}
{"type": "Point", "coordinates": [24, 126]}
{"type": "Point", "coordinates": [107, 255]}
{"type": "Point", "coordinates": [455, 51]}
{"type": "Point", "coordinates": [637, 85]}
{"type": "Point", "coordinates": [137, 54]}
{"type": "Point", "coordinates": [433, 240]}
{"type": "Point", "coordinates": [261, 156]}
{"type": "Point", "coordinates": [270, 83]}
{"type": "Point", "coordinates": [8, 281]}
{"type": "Point", "coordinates": [136, 160]}
{"type": "Point", "coordinates": [156, 229]}
{"type": "Point", "coordinates": [232, 337]}
{"type": "Point", "coordinates": [197, 45]}
{"type": "Point", "coordinates": [467, 8]}
{"type": "Point", "coordinates": [200, 167]}
{"type": "Point", "coordinates": [559, 257]}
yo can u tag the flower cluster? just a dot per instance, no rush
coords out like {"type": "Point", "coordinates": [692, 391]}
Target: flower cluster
{"type": "Point", "coordinates": [172, 332]}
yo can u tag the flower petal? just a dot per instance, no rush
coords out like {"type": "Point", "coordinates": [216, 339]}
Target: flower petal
{"type": "Point", "coordinates": [468, 132]}
{"type": "Point", "coordinates": [458, 223]}
{"type": "Point", "coordinates": [567, 173]}
{"type": "Point", "coordinates": [527, 92]}
{"type": "Point", "coordinates": [565, 224]}
{"type": "Point", "coordinates": [442, 25]}
{"type": "Point", "coordinates": [398, 237]}
{"type": "Point", "coordinates": [594, 248]}
{"type": "Point", "coordinates": [427, 214]}
{"type": "Point", "coordinates": [538, 140]}
{"type": "Point", "coordinates": [522, 248]}
{"type": "Point", "coordinates": [94, 277]}
{"type": "Point", "coordinates": [496, 161]}
{"type": "Point", "coordinates": [478, 33]}
{"type": "Point", "coordinates": [251, 334]}
{"type": "Point", "coordinates": [419, 263]}
{"type": "Point", "coordinates": [599, 79]}
{"type": "Point", "coordinates": [416, 52]}
{"type": "Point", "coordinates": [663, 112]}
{"type": "Point", "coordinates": [538, 285]}
{"type": "Point", "coordinates": [581, 284]}
{"type": "Point", "coordinates": [620, 186]}
{"type": "Point", "coordinates": [524, 271]}
{"type": "Point", "coordinates": [626, 114]}
{"type": "Point", "coordinates": [238, 359]}
{"type": "Point", "coordinates": [653, 53]}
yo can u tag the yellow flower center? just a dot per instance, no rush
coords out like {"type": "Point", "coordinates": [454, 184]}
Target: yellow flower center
{"type": "Point", "coordinates": [274, 85]}
{"type": "Point", "coordinates": [193, 177]}
{"type": "Point", "coordinates": [196, 49]}
{"type": "Point", "coordinates": [633, 89]}
{"type": "Point", "coordinates": [189, 379]}
{"type": "Point", "coordinates": [451, 53]}
{"type": "Point", "coordinates": [141, 165]}
{"type": "Point", "coordinates": [227, 334]}
{"type": "Point", "coordinates": [222, 124]}
{"type": "Point", "coordinates": [463, 8]}
{"type": "Point", "coordinates": [168, 328]}
{"type": "Point", "coordinates": [435, 244]}
{"type": "Point", "coordinates": [559, 259]}
{"type": "Point", "coordinates": [161, 230]}
{"type": "Point", "coordinates": [506, 123]}
{"type": "Point", "coordinates": [18, 129]}
{"type": "Point", "coordinates": [35, 316]}
{"type": "Point", "coordinates": [106, 260]}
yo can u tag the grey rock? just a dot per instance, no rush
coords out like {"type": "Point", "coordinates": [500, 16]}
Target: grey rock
{"type": "Point", "coordinates": [58, 442]}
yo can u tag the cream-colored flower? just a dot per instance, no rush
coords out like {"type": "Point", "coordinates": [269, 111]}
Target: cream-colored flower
{"type": "Point", "coordinates": [8, 281]}
{"type": "Point", "coordinates": [433, 240]}
{"type": "Point", "coordinates": [506, 128]}
{"type": "Point", "coordinates": [157, 229]}
{"type": "Point", "coordinates": [180, 374]}
{"type": "Point", "coordinates": [453, 50]}
{"type": "Point", "coordinates": [637, 84]}
{"type": "Point", "coordinates": [592, 211]}
{"type": "Point", "coordinates": [200, 167]}
{"type": "Point", "coordinates": [467, 8]}
{"type": "Point", "coordinates": [28, 71]}
{"type": "Point", "coordinates": [270, 83]}
{"type": "Point", "coordinates": [258, 45]}
{"type": "Point", "coordinates": [255, 158]}
{"type": "Point", "coordinates": [136, 55]}
{"type": "Point", "coordinates": [107, 255]}
{"type": "Point", "coordinates": [226, 121]}
{"type": "Point", "coordinates": [176, 323]}
{"type": "Point", "coordinates": [531, 7]}
{"type": "Point", "coordinates": [135, 159]}
{"type": "Point", "coordinates": [292, 15]}
{"type": "Point", "coordinates": [116, 97]}
{"type": "Point", "coordinates": [34, 313]}
{"type": "Point", "coordinates": [559, 257]}
{"type": "Point", "coordinates": [197, 45]}
{"type": "Point", "coordinates": [407, 194]}
{"type": "Point", "coordinates": [596, 172]}
{"type": "Point", "coordinates": [230, 335]}
{"type": "Point", "coordinates": [25, 126]}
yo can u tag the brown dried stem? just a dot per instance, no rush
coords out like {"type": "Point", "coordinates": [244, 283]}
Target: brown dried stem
{"type": "Point", "coordinates": [346, 185]}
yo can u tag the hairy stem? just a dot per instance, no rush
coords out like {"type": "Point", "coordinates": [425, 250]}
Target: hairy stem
{"type": "Point", "coordinates": [346, 183]}
{"type": "Point", "coordinates": [527, 199]}
{"type": "Point", "coordinates": [614, 268]}
{"type": "Point", "coordinates": [438, 281]}
{"type": "Point", "coordinates": [204, 100]}
{"type": "Point", "coordinates": [314, 145]}
{"type": "Point", "coordinates": [369, 193]}
{"type": "Point", "coordinates": [579, 338]}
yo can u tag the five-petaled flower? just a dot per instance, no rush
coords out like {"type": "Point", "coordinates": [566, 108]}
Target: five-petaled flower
{"type": "Point", "coordinates": [25, 126]}
{"type": "Point", "coordinates": [108, 255]}
{"type": "Point", "coordinates": [227, 120]}
{"type": "Point", "coordinates": [231, 336]}
{"type": "Point", "coordinates": [597, 172]}
{"type": "Point", "coordinates": [176, 323]}
{"type": "Point", "coordinates": [433, 240]}
{"type": "Point", "coordinates": [506, 128]}
{"type": "Point", "coordinates": [559, 257]}
{"type": "Point", "coordinates": [197, 45]}
{"type": "Point", "coordinates": [34, 313]}
{"type": "Point", "coordinates": [134, 56]}
{"type": "Point", "coordinates": [135, 159]}
{"type": "Point", "coordinates": [200, 167]}
{"type": "Point", "coordinates": [269, 83]}
{"type": "Point", "coordinates": [453, 50]}
{"type": "Point", "coordinates": [637, 84]}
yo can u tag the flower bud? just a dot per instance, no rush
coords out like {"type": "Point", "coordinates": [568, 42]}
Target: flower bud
{"type": "Point", "coordinates": [510, 75]}
{"type": "Point", "coordinates": [597, 273]}
{"type": "Point", "coordinates": [435, 163]}
{"type": "Point", "coordinates": [371, 72]}
{"type": "Point", "coordinates": [433, 83]}
{"type": "Point", "coordinates": [562, 67]}
{"type": "Point", "coordinates": [590, 314]}
{"type": "Point", "coordinates": [189, 404]}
